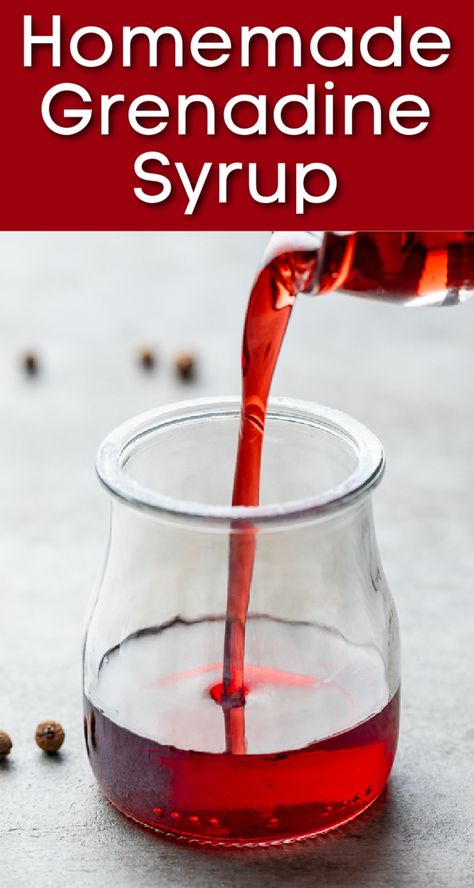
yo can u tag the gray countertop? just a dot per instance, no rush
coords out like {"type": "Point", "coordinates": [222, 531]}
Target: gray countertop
{"type": "Point", "coordinates": [86, 303]}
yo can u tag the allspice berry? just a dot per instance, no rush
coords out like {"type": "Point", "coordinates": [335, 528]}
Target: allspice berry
{"type": "Point", "coordinates": [5, 744]}
{"type": "Point", "coordinates": [185, 365]}
{"type": "Point", "coordinates": [30, 363]}
{"type": "Point", "coordinates": [147, 358]}
{"type": "Point", "coordinates": [49, 736]}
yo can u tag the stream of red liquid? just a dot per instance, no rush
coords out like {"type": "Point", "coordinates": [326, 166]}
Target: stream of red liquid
{"type": "Point", "coordinates": [268, 313]}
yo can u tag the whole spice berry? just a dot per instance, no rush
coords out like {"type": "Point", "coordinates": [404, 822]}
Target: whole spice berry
{"type": "Point", "coordinates": [147, 358]}
{"type": "Point", "coordinates": [5, 744]}
{"type": "Point", "coordinates": [185, 365]}
{"type": "Point", "coordinates": [49, 736]}
{"type": "Point", "coordinates": [30, 363]}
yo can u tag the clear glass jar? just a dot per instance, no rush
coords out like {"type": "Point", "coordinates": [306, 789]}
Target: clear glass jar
{"type": "Point", "coordinates": [322, 650]}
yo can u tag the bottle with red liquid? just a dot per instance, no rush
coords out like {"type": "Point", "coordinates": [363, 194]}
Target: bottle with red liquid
{"type": "Point", "coordinates": [415, 268]}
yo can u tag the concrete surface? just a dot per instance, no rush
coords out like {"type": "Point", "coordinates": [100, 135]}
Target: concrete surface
{"type": "Point", "coordinates": [85, 303]}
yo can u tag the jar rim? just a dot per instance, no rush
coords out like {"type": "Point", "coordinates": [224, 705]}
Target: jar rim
{"type": "Point", "coordinates": [111, 460]}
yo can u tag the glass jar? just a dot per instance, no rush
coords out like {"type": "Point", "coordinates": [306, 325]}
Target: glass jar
{"type": "Point", "coordinates": [322, 675]}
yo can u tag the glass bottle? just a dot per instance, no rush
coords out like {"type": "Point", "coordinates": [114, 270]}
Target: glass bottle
{"type": "Point", "coordinates": [322, 670]}
{"type": "Point", "coordinates": [417, 268]}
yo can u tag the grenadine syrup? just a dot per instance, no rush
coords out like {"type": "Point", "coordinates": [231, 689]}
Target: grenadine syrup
{"type": "Point", "coordinates": [304, 770]}
{"type": "Point", "coordinates": [249, 799]}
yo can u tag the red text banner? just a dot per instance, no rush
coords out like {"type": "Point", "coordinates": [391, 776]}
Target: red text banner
{"type": "Point", "coordinates": [237, 116]}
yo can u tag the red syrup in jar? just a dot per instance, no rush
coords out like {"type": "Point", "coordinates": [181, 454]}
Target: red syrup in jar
{"type": "Point", "coordinates": [221, 797]}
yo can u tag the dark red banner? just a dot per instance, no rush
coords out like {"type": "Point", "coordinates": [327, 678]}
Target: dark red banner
{"type": "Point", "coordinates": [133, 117]}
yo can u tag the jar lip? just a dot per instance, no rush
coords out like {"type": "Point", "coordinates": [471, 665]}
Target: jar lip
{"type": "Point", "coordinates": [110, 464]}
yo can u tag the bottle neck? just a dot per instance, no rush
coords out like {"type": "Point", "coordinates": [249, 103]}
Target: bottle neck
{"type": "Point", "coordinates": [313, 245]}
